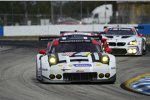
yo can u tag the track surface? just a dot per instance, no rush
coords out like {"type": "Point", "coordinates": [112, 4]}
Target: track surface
{"type": "Point", "coordinates": [18, 82]}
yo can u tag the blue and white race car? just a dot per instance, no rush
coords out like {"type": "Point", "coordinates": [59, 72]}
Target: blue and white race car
{"type": "Point", "coordinates": [125, 40]}
{"type": "Point", "coordinates": [75, 58]}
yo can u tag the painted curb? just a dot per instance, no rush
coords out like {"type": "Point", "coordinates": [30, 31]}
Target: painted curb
{"type": "Point", "coordinates": [127, 84]}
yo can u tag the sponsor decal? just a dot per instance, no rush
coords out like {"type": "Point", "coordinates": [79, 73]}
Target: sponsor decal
{"type": "Point", "coordinates": [113, 67]}
{"type": "Point", "coordinates": [78, 71]}
{"type": "Point", "coordinates": [98, 65]}
{"type": "Point", "coordinates": [60, 65]}
{"type": "Point", "coordinates": [65, 69]}
{"type": "Point", "coordinates": [44, 69]}
{"type": "Point", "coordinates": [82, 65]}
{"type": "Point", "coordinates": [87, 53]}
{"type": "Point", "coordinates": [70, 65]}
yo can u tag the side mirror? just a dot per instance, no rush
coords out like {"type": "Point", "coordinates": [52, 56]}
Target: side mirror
{"type": "Point", "coordinates": [104, 39]}
{"type": "Point", "coordinates": [108, 50]}
{"type": "Point", "coordinates": [42, 51]}
{"type": "Point", "coordinates": [141, 35]}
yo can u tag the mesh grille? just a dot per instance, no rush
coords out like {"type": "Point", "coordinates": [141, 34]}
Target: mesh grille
{"type": "Point", "coordinates": [117, 44]}
{"type": "Point", "coordinates": [119, 51]}
{"type": "Point", "coordinates": [80, 76]}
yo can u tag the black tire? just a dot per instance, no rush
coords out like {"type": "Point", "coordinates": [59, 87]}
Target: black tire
{"type": "Point", "coordinates": [144, 51]}
{"type": "Point", "coordinates": [39, 78]}
{"type": "Point", "coordinates": [113, 80]}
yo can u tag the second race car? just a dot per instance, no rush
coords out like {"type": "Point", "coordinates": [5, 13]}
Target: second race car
{"type": "Point", "coordinates": [125, 40]}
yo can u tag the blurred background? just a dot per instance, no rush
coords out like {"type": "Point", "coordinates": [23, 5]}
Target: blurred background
{"type": "Point", "coordinates": [74, 12]}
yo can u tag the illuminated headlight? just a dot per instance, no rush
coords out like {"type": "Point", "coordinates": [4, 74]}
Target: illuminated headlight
{"type": "Point", "coordinates": [132, 42]}
{"type": "Point", "coordinates": [129, 50]}
{"type": "Point", "coordinates": [52, 60]}
{"type": "Point", "coordinates": [105, 59]}
{"type": "Point", "coordinates": [132, 51]}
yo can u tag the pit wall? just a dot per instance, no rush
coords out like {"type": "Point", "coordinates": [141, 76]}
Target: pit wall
{"type": "Point", "coordinates": [40, 30]}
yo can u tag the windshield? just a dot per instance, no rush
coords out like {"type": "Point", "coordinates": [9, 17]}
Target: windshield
{"type": "Point", "coordinates": [120, 32]}
{"type": "Point", "coordinates": [76, 47]}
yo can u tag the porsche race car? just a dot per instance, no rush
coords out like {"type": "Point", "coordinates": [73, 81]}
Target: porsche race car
{"type": "Point", "coordinates": [125, 40]}
{"type": "Point", "coordinates": [75, 59]}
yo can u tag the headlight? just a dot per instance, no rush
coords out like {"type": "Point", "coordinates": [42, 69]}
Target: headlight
{"type": "Point", "coordinates": [132, 51]}
{"type": "Point", "coordinates": [105, 59]}
{"type": "Point", "coordinates": [134, 42]}
{"type": "Point", "coordinates": [52, 60]}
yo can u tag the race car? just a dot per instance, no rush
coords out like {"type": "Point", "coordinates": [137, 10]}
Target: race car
{"type": "Point", "coordinates": [75, 59]}
{"type": "Point", "coordinates": [125, 40]}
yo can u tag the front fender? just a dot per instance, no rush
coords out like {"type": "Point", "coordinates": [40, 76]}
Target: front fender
{"type": "Point", "coordinates": [38, 60]}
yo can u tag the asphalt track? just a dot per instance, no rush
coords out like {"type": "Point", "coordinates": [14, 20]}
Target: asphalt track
{"type": "Point", "coordinates": [18, 82]}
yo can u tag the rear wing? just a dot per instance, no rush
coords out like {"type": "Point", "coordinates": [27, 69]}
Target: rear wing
{"type": "Point", "coordinates": [43, 40]}
{"type": "Point", "coordinates": [47, 38]}
{"type": "Point", "coordinates": [94, 35]}
{"type": "Point", "coordinates": [82, 32]}
{"type": "Point", "coordinates": [136, 27]}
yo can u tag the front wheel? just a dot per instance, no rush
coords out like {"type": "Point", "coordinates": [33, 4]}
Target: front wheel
{"type": "Point", "coordinates": [113, 80]}
{"type": "Point", "coordinates": [39, 75]}
{"type": "Point", "coordinates": [144, 49]}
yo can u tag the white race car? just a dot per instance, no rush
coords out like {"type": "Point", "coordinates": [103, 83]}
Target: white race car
{"type": "Point", "coordinates": [75, 59]}
{"type": "Point", "coordinates": [125, 40]}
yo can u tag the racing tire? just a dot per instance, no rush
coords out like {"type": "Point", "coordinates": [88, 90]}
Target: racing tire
{"type": "Point", "coordinates": [39, 78]}
{"type": "Point", "coordinates": [144, 49]}
{"type": "Point", "coordinates": [113, 80]}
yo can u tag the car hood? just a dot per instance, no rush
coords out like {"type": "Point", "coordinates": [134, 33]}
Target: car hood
{"type": "Point", "coordinates": [120, 37]}
{"type": "Point", "coordinates": [78, 56]}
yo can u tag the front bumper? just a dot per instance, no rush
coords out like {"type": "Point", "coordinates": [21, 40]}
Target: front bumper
{"type": "Point", "coordinates": [109, 80]}
{"type": "Point", "coordinates": [125, 50]}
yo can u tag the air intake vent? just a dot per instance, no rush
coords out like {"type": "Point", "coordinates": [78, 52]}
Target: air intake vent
{"type": "Point", "coordinates": [119, 51]}
{"type": "Point", "coordinates": [112, 44]}
{"type": "Point", "coordinates": [86, 76]}
{"type": "Point", "coordinates": [121, 43]}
